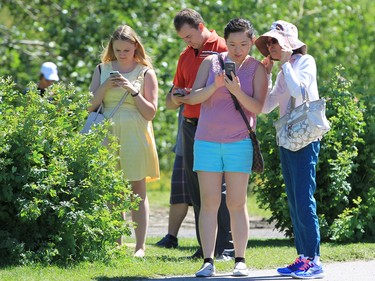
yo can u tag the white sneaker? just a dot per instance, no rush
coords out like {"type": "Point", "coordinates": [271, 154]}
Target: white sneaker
{"type": "Point", "coordinates": [207, 270]}
{"type": "Point", "coordinates": [240, 269]}
{"type": "Point", "coordinates": [224, 258]}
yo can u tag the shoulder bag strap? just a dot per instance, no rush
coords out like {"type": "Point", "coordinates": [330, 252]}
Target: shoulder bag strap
{"type": "Point", "coordinates": [305, 98]}
{"type": "Point", "coordinates": [237, 104]}
{"type": "Point", "coordinates": [100, 108]}
{"type": "Point", "coordinates": [118, 105]}
{"type": "Point", "coordinates": [124, 97]}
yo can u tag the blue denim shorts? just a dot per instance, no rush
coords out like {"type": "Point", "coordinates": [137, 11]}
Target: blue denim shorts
{"type": "Point", "coordinates": [223, 157]}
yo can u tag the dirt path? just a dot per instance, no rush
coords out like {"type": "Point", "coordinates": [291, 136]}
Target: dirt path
{"type": "Point", "coordinates": [158, 225]}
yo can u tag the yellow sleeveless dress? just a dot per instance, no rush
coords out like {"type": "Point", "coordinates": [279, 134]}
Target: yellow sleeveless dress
{"type": "Point", "coordinates": [138, 157]}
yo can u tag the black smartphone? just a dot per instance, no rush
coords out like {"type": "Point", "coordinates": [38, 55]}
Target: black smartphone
{"type": "Point", "coordinates": [230, 67]}
{"type": "Point", "coordinates": [178, 94]}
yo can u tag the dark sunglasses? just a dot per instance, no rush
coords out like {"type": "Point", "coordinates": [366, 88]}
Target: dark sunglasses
{"type": "Point", "coordinates": [271, 41]}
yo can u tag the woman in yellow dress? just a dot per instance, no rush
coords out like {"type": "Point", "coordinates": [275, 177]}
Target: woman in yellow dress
{"type": "Point", "coordinates": [132, 122]}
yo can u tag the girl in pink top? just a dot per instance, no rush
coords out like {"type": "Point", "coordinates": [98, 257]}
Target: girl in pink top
{"type": "Point", "coordinates": [222, 144]}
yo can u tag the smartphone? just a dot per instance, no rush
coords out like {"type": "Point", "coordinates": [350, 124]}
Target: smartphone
{"type": "Point", "coordinates": [114, 73]}
{"type": "Point", "coordinates": [230, 67]}
{"type": "Point", "coordinates": [178, 94]}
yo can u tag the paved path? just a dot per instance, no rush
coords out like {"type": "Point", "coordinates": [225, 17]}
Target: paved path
{"type": "Point", "coordinates": [158, 226]}
{"type": "Point", "coordinates": [345, 271]}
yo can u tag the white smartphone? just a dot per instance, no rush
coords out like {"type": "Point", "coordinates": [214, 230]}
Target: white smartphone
{"type": "Point", "coordinates": [114, 73]}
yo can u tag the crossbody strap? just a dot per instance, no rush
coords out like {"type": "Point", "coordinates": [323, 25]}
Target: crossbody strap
{"type": "Point", "coordinates": [118, 105]}
{"type": "Point", "coordinates": [125, 95]}
{"type": "Point", "coordinates": [237, 104]}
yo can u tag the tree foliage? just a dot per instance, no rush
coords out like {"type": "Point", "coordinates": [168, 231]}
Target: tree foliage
{"type": "Point", "coordinates": [72, 33]}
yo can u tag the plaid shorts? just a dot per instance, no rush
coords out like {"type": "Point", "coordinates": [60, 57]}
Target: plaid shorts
{"type": "Point", "coordinates": [179, 192]}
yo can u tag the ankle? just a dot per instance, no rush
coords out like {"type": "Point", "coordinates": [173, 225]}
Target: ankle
{"type": "Point", "coordinates": [172, 237]}
{"type": "Point", "coordinates": [209, 260]}
{"type": "Point", "coordinates": [239, 259]}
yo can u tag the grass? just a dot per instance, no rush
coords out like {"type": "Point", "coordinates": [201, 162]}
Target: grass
{"type": "Point", "coordinates": [173, 262]}
{"type": "Point", "coordinates": [161, 262]}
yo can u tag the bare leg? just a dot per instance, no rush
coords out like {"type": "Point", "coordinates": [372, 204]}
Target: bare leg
{"type": "Point", "coordinates": [210, 191]}
{"type": "Point", "coordinates": [177, 213]}
{"type": "Point", "coordinates": [239, 217]}
{"type": "Point", "coordinates": [140, 217]}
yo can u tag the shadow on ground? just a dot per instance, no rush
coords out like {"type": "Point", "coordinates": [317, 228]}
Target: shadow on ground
{"type": "Point", "coordinates": [221, 277]}
{"type": "Point", "coordinates": [254, 275]}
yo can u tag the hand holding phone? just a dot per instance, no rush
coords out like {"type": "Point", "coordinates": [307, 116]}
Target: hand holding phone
{"type": "Point", "coordinates": [179, 92]}
{"type": "Point", "coordinates": [230, 67]}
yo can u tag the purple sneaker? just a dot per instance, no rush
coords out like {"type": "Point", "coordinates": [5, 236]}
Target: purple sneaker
{"type": "Point", "coordinates": [309, 270]}
{"type": "Point", "coordinates": [287, 271]}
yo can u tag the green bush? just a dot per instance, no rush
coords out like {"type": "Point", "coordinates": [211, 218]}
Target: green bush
{"type": "Point", "coordinates": [61, 196]}
{"type": "Point", "coordinates": [358, 220]}
{"type": "Point", "coordinates": [339, 148]}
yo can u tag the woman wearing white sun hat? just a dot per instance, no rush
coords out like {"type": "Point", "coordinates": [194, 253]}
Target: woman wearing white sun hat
{"type": "Point", "coordinates": [297, 70]}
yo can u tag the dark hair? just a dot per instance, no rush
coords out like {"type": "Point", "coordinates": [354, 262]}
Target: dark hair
{"type": "Point", "coordinates": [299, 51]}
{"type": "Point", "coordinates": [187, 16]}
{"type": "Point", "coordinates": [239, 25]}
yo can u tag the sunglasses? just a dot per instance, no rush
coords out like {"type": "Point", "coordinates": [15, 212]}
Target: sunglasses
{"type": "Point", "coordinates": [271, 41]}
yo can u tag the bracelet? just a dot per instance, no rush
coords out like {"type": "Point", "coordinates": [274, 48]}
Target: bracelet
{"type": "Point", "coordinates": [134, 95]}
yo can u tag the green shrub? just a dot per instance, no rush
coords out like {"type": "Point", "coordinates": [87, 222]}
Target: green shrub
{"type": "Point", "coordinates": [61, 196]}
{"type": "Point", "coordinates": [358, 222]}
{"type": "Point", "coordinates": [339, 148]}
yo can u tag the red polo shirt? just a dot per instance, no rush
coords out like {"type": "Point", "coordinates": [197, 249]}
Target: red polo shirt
{"type": "Point", "coordinates": [188, 65]}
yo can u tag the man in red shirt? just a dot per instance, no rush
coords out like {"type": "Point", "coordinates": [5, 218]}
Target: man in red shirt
{"type": "Point", "coordinates": [201, 42]}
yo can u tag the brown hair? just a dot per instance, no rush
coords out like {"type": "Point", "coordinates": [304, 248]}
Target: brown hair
{"type": "Point", "coordinates": [126, 33]}
{"type": "Point", "coordinates": [187, 16]}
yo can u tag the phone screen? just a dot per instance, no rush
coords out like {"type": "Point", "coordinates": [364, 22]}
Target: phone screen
{"type": "Point", "coordinates": [230, 67]}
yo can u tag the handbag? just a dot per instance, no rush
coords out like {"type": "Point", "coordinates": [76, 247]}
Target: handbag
{"type": "Point", "coordinates": [303, 124]}
{"type": "Point", "coordinates": [97, 117]}
{"type": "Point", "coordinates": [94, 118]}
{"type": "Point", "coordinates": [258, 161]}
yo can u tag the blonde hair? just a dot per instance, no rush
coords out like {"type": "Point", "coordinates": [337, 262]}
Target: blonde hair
{"type": "Point", "coordinates": [126, 33]}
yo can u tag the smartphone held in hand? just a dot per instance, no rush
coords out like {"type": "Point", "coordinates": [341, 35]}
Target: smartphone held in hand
{"type": "Point", "coordinates": [230, 67]}
{"type": "Point", "coordinates": [179, 93]}
{"type": "Point", "coordinates": [114, 73]}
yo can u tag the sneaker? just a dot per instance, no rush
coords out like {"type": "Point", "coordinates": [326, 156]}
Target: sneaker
{"type": "Point", "coordinates": [240, 269]}
{"type": "Point", "coordinates": [207, 270]}
{"type": "Point", "coordinates": [226, 255]}
{"type": "Point", "coordinates": [168, 241]}
{"type": "Point", "coordinates": [309, 270]}
{"type": "Point", "coordinates": [287, 271]}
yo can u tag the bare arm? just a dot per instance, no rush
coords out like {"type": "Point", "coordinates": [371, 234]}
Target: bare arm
{"type": "Point", "coordinates": [148, 102]}
{"type": "Point", "coordinates": [98, 90]}
{"type": "Point", "coordinates": [200, 91]}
